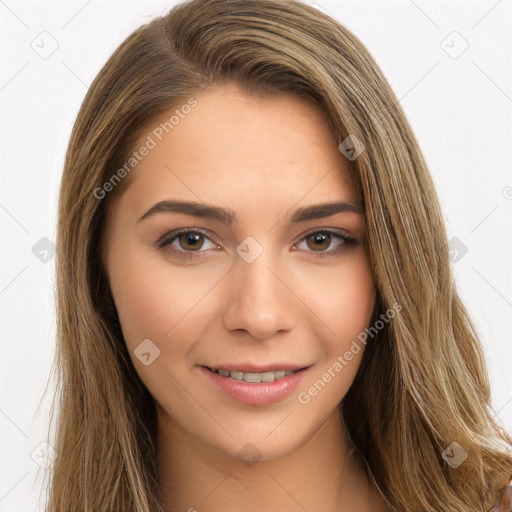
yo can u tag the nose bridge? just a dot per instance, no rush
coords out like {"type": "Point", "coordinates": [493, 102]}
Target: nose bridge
{"type": "Point", "coordinates": [261, 302]}
{"type": "Point", "coordinates": [256, 278]}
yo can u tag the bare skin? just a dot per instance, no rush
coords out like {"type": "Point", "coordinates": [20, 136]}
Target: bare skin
{"type": "Point", "coordinates": [302, 301]}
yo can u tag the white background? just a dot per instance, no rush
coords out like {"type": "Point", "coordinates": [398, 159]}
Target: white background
{"type": "Point", "coordinates": [459, 108]}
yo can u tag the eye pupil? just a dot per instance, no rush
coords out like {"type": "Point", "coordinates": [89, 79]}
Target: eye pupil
{"type": "Point", "coordinates": [320, 238]}
{"type": "Point", "coordinates": [192, 239]}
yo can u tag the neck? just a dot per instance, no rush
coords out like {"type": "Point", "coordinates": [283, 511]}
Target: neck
{"type": "Point", "coordinates": [323, 474]}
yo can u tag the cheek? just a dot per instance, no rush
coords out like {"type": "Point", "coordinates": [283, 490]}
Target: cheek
{"type": "Point", "coordinates": [343, 298]}
{"type": "Point", "coordinates": [170, 307]}
{"type": "Point", "coordinates": [159, 301]}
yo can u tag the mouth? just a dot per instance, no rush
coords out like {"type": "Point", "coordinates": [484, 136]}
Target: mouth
{"type": "Point", "coordinates": [256, 388]}
{"type": "Point", "coordinates": [254, 377]}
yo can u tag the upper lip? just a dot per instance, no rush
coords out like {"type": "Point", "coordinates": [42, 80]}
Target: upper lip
{"type": "Point", "coordinates": [256, 368]}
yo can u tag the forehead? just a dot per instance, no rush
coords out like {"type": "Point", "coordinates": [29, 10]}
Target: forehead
{"type": "Point", "coordinates": [240, 149]}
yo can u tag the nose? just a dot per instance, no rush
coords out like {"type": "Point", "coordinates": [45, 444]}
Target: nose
{"type": "Point", "coordinates": [260, 299]}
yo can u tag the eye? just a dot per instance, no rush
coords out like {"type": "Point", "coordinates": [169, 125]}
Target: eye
{"type": "Point", "coordinates": [190, 243]}
{"type": "Point", "coordinates": [321, 242]}
{"type": "Point", "coordinates": [185, 242]}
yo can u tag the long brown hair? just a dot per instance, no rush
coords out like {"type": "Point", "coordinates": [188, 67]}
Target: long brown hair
{"type": "Point", "coordinates": [422, 384]}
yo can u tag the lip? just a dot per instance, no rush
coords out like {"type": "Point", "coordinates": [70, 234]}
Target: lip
{"type": "Point", "coordinates": [262, 393]}
{"type": "Point", "coordinates": [251, 367]}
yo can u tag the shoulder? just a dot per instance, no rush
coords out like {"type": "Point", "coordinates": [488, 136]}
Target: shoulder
{"type": "Point", "coordinates": [504, 499]}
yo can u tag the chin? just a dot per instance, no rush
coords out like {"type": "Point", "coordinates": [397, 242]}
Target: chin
{"type": "Point", "coordinates": [258, 441]}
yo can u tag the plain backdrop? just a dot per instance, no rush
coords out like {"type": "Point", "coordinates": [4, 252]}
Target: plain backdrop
{"type": "Point", "coordinates": [449, 64]}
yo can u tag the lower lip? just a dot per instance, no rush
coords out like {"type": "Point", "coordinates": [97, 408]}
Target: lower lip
{"type": "Point", "coordinates": [261, 393]}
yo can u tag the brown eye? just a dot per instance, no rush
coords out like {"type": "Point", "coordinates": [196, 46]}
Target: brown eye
{"type": "Point", "coordinates": [319, 241]}
{"type": "Point", "coordinates": [183, 242]}
{"type": "Point", "coordinates": [326, 242]}
{"type": "Point", "coordinates": [191, 241]}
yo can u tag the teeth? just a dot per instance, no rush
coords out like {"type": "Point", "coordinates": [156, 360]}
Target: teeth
{"type": "Point", "coordinates": [254, 377]}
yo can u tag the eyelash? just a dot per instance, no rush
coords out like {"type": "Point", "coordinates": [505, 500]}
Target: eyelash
{"type": "Point", "coordinates": [168, 238]}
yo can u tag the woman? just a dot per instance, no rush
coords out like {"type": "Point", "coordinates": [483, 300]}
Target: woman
{"type": "Point", "coordinates": [256, 309]}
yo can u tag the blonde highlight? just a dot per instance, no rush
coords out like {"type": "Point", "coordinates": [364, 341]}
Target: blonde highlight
{"type": "Point", "coordinates": [423, 381]}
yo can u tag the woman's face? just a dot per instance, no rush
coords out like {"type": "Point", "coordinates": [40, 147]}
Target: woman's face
{"type": "Point", "coordinates": [258, 281]}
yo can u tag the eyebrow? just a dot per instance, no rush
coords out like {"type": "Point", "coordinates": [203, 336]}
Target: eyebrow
{"type": "Point", "coordinates": [228, 216]}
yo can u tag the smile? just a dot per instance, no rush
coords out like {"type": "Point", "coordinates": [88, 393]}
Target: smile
{"type": "Point", "coordinates": [255, 388]}
{"type": "Point", "coordinates": [253, 377]}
